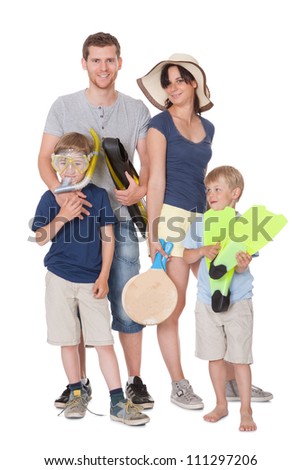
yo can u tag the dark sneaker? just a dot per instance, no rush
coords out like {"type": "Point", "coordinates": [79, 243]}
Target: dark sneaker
{"type": "Point", "coordinates": [127, 413]}
{"type": "Point", "coordinates": [77, 404]}
{"type": "Point", "coordinates": [88, 389]}
{"type": "Point", "coordinates": [183, 395]}
{"type": "Point", "coordinates": [62, 401]}
{"type": "Point", "coordinates": [258, 394]}
{"type": "Point", "coordinates": [138, 394]}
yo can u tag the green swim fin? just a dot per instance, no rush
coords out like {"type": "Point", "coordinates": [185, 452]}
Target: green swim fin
{"type": "Point", "coordinates": [250, 232]}
{"type": "Point", "coordinates": [216, 229]}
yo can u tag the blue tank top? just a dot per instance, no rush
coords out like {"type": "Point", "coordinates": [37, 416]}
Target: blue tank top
{"type": "Point", "coordinates": [186, 164]}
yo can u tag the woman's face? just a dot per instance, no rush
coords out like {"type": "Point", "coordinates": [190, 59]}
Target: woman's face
{"type": "Point", "coordinates": [179, 92]}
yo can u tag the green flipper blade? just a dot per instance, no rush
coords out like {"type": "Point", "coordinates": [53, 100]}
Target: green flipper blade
{"type": "Point", "coordinates": [249, 232]}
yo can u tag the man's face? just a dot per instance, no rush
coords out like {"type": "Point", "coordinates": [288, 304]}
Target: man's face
{"type": "Point", "coordinates": [102, 66]}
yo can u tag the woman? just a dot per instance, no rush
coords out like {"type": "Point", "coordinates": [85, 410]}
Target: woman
{"type": "Point", "coordinates": [179, 147]}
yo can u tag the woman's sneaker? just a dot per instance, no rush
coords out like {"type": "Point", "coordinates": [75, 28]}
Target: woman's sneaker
{"type": "Point", "coordinates": [62, 401]}
{"type": "Point", "coordinates": [182, 395]}
{"type": "Point", "coordinates": [77, 404]}
{"type": "Point", "coordinates": [127, 413]}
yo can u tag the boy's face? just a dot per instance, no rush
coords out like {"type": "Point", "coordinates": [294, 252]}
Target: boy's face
{"type": "Point", "coordinates": [219, 195]}
{"type": "Point", "coordinates": [71, 165]}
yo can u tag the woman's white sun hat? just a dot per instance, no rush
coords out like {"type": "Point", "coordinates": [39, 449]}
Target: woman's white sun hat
{"type": "Point", "coordinates": [150, 84]}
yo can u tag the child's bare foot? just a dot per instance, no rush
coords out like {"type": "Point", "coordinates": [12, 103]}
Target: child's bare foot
{"type": "Point", "coordinates": [247, 423]}
{"type": "Point", "coordinates": [219, 412]}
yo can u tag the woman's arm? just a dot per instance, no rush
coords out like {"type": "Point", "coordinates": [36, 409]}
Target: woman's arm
{"type": "Point", "coordinates": [156, 150]}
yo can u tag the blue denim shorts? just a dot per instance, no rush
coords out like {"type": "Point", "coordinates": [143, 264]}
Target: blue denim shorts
{"type": "Point", "coordinates": [125, 265]}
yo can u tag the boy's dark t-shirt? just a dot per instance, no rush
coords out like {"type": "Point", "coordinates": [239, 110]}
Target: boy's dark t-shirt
{"type": "Point", "coordinates": [75, 252]}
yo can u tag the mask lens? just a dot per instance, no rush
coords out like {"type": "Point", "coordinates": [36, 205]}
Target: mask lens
{"type": "Point", "coordinates": [78, 162]}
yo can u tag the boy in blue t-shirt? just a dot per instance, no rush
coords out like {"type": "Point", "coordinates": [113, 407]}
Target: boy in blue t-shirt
{"type": "Point", "coordinates": [78, 266]}
{"type": "Point", "coordinates": [225, 336]}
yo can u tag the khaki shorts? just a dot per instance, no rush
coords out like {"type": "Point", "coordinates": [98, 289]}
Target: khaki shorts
{"type": "Point", "coordinates": [225, 335]}
{"type": "Point", "coordinates": [173, 226]}
{"type": "Point", "coordinates": [63, 300]}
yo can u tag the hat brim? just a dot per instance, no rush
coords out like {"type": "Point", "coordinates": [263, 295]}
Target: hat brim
{"type": "Point", "coordinates": [150, 84]}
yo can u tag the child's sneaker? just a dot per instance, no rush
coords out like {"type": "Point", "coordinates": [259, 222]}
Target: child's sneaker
{"type": "Point", "coordinates": [62, 401]}
{"type": "Point", "coordinates": [77, 404]}
{"type": "Point", "coordinates": [128, 413]}
{"type": "Point", "coordinates": [257, 394]}
{"type": "Point", "coordinates": [183, 395]}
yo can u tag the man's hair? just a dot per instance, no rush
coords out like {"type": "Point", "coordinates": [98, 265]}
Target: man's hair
{"type": "Point", "coordinates": [100, 40]}
{"type": "Point", "coordinates": [74, 140]}
{"type": "Point", "coordinates": [231, 175]}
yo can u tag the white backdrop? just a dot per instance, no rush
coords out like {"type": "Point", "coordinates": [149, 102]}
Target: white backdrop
{"type": "Point", "coordinates": [250, 51]}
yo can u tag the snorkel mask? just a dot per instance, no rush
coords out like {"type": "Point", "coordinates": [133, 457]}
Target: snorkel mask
{"type": "Point", "coordinates": [77, 163]}
{"type": "Point", "coordinates": [70, 162]}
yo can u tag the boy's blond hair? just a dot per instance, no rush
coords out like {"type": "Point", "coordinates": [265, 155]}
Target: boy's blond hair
{"type": "Point", "coordinates": [75, 141]}
{"type": "Point", "coordinates": [231, 175]}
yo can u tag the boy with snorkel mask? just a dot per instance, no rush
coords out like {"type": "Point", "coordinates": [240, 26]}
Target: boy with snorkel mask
{"type": "Point", "coordinates": [78, 265]}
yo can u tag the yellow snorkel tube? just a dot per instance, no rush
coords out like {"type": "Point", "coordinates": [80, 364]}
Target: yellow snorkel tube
{"type": "Point", "coordinates": [65, 187]}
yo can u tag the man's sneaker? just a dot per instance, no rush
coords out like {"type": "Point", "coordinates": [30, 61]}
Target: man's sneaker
{"type": "Point", "coordinates": [62, 401]}
{"type": "Point", "coordinates": [128, 413]}
{"type": "Point", "coordinates": [138, 394]}
{"type": "Point", "coordinates": [257, 394]}
{"type": "Point", "coordinates": [77, 404]}
{"type": "Point", "coordinates": [182, 395]}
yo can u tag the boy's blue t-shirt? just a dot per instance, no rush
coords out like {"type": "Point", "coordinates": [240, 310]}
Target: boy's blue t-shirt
{"type": "Point", "coordinates": [75, 252]}
{"type": "Point", "coordinates": [186, 164]}
{"type": "Point", "coordinates": [241, 284]}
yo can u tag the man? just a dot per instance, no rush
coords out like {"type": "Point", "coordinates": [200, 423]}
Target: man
{"type": "Point", "coordinates": [111, 114]}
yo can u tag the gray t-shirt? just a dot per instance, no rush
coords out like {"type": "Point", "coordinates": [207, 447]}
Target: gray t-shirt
{"type": "Point", "coordinates": [127, 119]}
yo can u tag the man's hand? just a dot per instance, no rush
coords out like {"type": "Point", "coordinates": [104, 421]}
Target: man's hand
{"type": "Point", "coordinates": [131, 195]}
{"type": "Point", "coordinates": [70, 209]}
{"type": "Point", "coordinates": [78, 200]}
